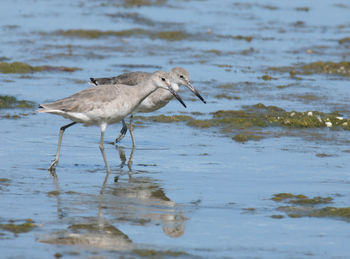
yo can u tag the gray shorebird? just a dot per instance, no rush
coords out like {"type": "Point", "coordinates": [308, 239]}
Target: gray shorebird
{"type": "Point", "coordinates": [103, 105]}
{"type": "Point", "coordinates": [158, 99]}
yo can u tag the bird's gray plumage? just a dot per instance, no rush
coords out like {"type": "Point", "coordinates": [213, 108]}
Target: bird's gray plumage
{"type": "Point", "coordinates": [132, 78]}
{"type": "Point", "coordinates": [178, 76]}
{"type": "Point", "coordinates": [158, 99]}
{"type": "Point", "coordinates": [103, 105]}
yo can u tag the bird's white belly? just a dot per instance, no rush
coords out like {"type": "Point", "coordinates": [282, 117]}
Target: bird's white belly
{"type": "Point", "coordinates": [156, 100]}
{"type": "Point", "coordinates": [109, 114]}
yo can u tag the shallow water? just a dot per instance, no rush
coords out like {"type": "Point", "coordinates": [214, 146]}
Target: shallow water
{"type": "Point", "coordinates": [190, 192]}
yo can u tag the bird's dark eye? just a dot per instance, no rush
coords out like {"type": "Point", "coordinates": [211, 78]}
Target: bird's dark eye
{"type": "Point", "coordinates": [182, 76]}
{"type": "Point", "coordinates": [163, 79]}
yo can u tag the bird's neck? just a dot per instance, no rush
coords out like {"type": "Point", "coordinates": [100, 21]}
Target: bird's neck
{"type": "Point", "coordinates": [145, 90]}
{"type": "Point", "coordinates": [175, 86]}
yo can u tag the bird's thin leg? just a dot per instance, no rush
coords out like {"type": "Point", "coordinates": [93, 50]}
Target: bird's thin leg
{"type": "Point", "coordinates": [122, 132]}
{"type": "Point", "coordinates": [55, 161]}
{"type": "Point", "coordinates": [132, 132]}
{"type": "Point", "coordinates": [102, 148]}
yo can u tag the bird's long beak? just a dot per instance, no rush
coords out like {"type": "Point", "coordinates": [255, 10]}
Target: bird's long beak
{"type": "Point", "coordinates": [194, 90]}
{"type": "Point", "coordinates": [175, 94]}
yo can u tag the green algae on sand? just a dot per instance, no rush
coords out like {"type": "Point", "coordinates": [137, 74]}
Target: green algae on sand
{"type": "Point", "coordinates": [268, 78]}
{"type": "Point", "coordinates": [150, 253]}
{"type": "Point", "coordinates": [302, 9]}
{"type": "Point", "coordinates": [23, 68]}
{"type": "Point", "coordinates": [18, 228]}
{"type": "Point", "coordinates": [9, 102]}
{"type": "Point", "coordinates": [228, 97]}
{"type": "Point", "coordinates": [277, 216]}
{"type": "Point", "coordinates": [138, 3]}
{"type": "Point", "coordinates": [332, 212]}
{"type": "Point", "coordinates": [300, 199]}
{"type": "Point", "coordinates": [214, 51]}
{"type": "Point", "coordinates": [94, 34]}
{"type": "Point", "coordinates": [320, 67]}
{"type": "Point", "coordinates": [246, 137]}
{"type": "Point", "coordinates": [247, 124]}
{"type": "Point", "coordinates": [341, 68]}
{"type": "Point", "coordinates": [237, 37]}
{"type": "Point", "coordinates": [342, 213]}
{"type": "Point", "coordinates": [303, 206]}
{"type": "Point", "coordinates": [282, 196]}
{"type": "Point", "coordinates": [171, 35]}
{"type": "Point", "coordinates": [4, 180]}
{"type": "Point", "coordinates": [345, 40]}
{"type": "Point", "coordinates": [323, 155]}
{"type": "Point", "coordinates": [275, 116]}
{"type": "Point", "coordinates": [53, 193]}
{"type": "Point", "coordinates": [15, 67]}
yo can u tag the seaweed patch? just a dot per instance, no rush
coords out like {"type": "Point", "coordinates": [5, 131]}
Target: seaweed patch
{"type": "Point", "coordinates": [320, 67]}
{"type": "Point", "coordinates": [10, 102]}
{"type": "Point", "coordinates": [23, 68]}
{"type": "Point", "coordinates": [137, 32]}
{"type": "Point", "coordinates": [302, 206]}
{"type": "Point", "coordinates": [247, 124]}
{"type": "Point", "coordinates": [25, 227]}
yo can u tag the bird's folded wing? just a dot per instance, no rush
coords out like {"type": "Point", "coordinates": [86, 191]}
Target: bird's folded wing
{"type": "Point", "coordinates": [86, 100]}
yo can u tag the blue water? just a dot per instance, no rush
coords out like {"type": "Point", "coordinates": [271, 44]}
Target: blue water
{"type": "Point", "coordinates": [191, 190]}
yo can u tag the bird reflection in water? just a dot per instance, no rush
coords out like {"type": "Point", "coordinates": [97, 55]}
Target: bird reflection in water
{"type": "Point", "coordinates": [140, 200]}
{"type": "Point", "coordinates": [133, 200]}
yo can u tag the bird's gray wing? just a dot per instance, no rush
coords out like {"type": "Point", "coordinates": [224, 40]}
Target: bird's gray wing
{"type": "Point", "coordinates": [132, 78]}
{"type": "Point", "coordinates": [86, 100]}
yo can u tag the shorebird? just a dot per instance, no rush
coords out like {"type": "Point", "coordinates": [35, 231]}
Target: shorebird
{"type": "Point", "coordinates": [103, 105]}
{"type": "Point", "coordinates": [158, 99]}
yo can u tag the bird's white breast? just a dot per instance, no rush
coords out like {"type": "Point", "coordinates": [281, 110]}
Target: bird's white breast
{"type": "Point", "coordinates": [156, 100]}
